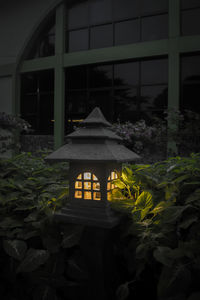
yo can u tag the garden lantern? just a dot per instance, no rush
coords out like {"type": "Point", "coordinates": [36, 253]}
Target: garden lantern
{"type": "Point", "coordinates": [95, 155]}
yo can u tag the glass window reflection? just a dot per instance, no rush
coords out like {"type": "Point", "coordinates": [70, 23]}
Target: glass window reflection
{"type": "Point", "coordinates": [101, 36]}
{"type": "Point", "coordinates": [127, 32]}
{"type": "Point", "coordinates": [155, 27]}
{"type": "Point", "coordinates": [154, 71]}
{"type": "Point", "coordinates": [78, 40]}
{"type": "Point", "coordinates": [100, 76]}
{"type": "Point", "coordinates": [190, 22]}
{"type": "Point", "coordinates": [100, 11]}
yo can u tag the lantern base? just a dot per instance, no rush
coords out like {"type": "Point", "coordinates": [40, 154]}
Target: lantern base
{"type": "Point", "coordinates": [104, 217]}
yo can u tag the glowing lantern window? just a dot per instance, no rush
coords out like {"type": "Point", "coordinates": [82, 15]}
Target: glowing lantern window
{"type": "Point", "coordinates": [87, 187]}
{"type": "Point", "coordinates": [110, 184]}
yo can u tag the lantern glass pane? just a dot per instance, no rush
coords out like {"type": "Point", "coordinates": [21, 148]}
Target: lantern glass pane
{"type": "Point", "coordinates": [94, 177]}
{"type": "Point", "coordinates": [96, 196]}
{"type": "Point", "coordinates": [108, 186]}
{"type": "Point", "coordinates": [78, 185]}
{"type": "Point", "coordinates": [87, 185]}
{"type": "Point", "coordinates": [96, 186]}
{"type": "Point", "coordinates": [87, 175]}
{"type": "Point", "coordinates": [79, 176]}
{"type": "Point", "coordinates": [109, 195]}
{"type": "Point", "coordinates": [88, 195]}
{"type": "Point", "coordinates": [78, 194]}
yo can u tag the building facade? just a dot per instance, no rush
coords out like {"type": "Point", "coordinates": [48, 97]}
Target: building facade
{"type": "Point", "coordinates": [132, 58]}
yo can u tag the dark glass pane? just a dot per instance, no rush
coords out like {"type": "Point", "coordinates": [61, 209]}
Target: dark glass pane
{"type": "Point", "coordinates": [100, 11]}
{"type": "Point", "coordinates": [76, 78]}
{"type": "Point", "coordinates": [126, 9]}
{"type": "Point", "coordinates": [190, 99]}
{"type": "Point", "coordinates": [125, 105]}
{"type": "Point", "coordinates": [153, 98]}
{"type": "Point", "coordinates": [126, 74]}
{"type": "Point", "coordinates": [127, 32]}
{"type": "Point", "coordinates": [190, 69]}
{"type": "Point", "coordinates": [29, 104]}
{"type": "Point", "coordinates": [101, 36]}
{"type": "Point", "coordinates": [100, 76]}
{"type": "Point", "coordinates": [46, 114]}
{"type": "Point", "coordinates": [29, 83]}
{"type": "Point", "coordinates": [154, 28]}
{"type": "Point", "coordinates": [153, 6]}
{"type": "Point", "coordinates": [46, 81]}
{"type": "Point", "coordinates": [154, 71]}
{"type": "Point", "coordinates": [78, 40]}
{"type": "Point", "coordinates": [75, 109]}
{"type": "Point", "coordinates": [190, 22]}
{"type": "Point", "coordinates": [46, 47]}
{"type": "Point", "coordinates": [78, 16]}
{"type": "Point", "coordinates": [190, 3]}
{"type": "Point", "coordinates": [104, 100]}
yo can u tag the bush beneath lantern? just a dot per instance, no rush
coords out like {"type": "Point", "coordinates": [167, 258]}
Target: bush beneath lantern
{"type": "Point", "coordinates": [156, 246]}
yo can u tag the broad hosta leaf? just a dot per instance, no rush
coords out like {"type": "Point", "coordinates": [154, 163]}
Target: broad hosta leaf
{"type": "Point", "coordinates": [122, 291]}
{"type": "Point", "coordinates": [9, 222]}
{"type": "Point", "coordinates": [173, 213]}
{"type": "Point", "coordinates": [163, 255]}
{"type": "Point", "coordinates": [33, 259]}
{"type": "Point", "coordinates": [15, 248]}
{"type": "Point", "coordinates": [194, 296]}
{"type": "Point", "coordinates": [44, 293]}
{"type": "Point", "coordinates": [189, 221]}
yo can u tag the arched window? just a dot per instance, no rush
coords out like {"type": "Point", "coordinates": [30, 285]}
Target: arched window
{"type": "Point", "coordinates": [110, 184]}
{"type": "Point", "coordinates": [87, 187]}
{"type": "Point", "coordinates": [44, 45]}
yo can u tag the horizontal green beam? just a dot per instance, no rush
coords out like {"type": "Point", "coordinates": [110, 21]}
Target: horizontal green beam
{"type": "Point", "coordinates": [145, 49]}
{"type": "Point", "coordinates": [37, 64]}
{"type": "Point", "coordinates": [189, 43]}
{"type": "Point", "coordinates": [7, 70]}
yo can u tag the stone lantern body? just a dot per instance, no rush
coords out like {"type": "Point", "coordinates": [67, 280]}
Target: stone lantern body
{"type": "Point", "coordinates": [95, 155]}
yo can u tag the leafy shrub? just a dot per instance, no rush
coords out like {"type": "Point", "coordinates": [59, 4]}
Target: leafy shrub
{"type": "Point", "coordinates": [162, 238]}
{"type": "Point", "coordinates": [33, 248]}
{"type": "Point", "coordinates": [10, 127]}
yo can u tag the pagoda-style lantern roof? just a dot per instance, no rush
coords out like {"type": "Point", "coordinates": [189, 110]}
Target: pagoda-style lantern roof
{"type": "Point", "coordinates": [94, 141]}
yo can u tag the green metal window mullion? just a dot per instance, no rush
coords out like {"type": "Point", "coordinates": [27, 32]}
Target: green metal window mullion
{"type": "Point", "coordinates": [173, 71]}
{"type": "Point", "coordinates": [59, 87]}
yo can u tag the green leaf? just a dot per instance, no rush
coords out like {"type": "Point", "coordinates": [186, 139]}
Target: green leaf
{"type": "Point", "coordinates": [194, 296]}
{"type": "Point", "coordinates": [10, 222]}
{"type": "Point", "coordinates": [120, 184]}
{"type": "Point", "coordinates": [33, 259]}
{"type": "Point", "coordinates": [188, 221]}
{"type": "Point", "coordinates": [71, 239]}
{"type": "Point", "coordinates": [163, 255]}
{"type": "Point", "coordinates": [15, 248]}
{"type": "Point", "coordinates": [144, 200]}
{"type": "Point", "coordinates": [173, 213]}
{"type": "Point", "coordinates": [44, 293]}
{"type": "Point", "coordinates": [122, 291]}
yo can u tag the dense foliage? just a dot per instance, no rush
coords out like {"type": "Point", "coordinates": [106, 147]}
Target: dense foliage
{"type": "Point", "coordinates": [10, 127]}
{"type": "Point", "coordinates": [162, 239]}
{"type": "Point", "coordinates": [150, 141]}
{"type": "Point", "coordinates": [157, 245]}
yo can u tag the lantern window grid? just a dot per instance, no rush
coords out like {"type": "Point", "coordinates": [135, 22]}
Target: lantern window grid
{"type": "Point", "coordinates": [87, 187]}
{"type": "Point", "coordinates": [110, 185]}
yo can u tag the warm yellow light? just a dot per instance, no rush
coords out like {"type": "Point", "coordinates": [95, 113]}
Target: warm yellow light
{"type": "Point", "coordinates": [78, 185]}
{"type": "Point", "coordinates": [87, 185]}
{"type": "Point", "coordinates": [94, 177]}
{"type": "Point", "coordinates": [78, 194]}
{"type": "Point", "coordinates": [87, 175]}
{"type": "Point", "coordinates": [108, 186]}
{"type": "Point", "coordinates": [97, 196]}
{"type": "Point", "coordinates": [96, 186]}
{"type": "Point", "coordinates": [109, 196]}
{"type": "Point", "coordinates": [79, 176]}
{"type": "Point", "coordinates": [87, 195]}
{"type": "Point", "coordinates": [113, 175]}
